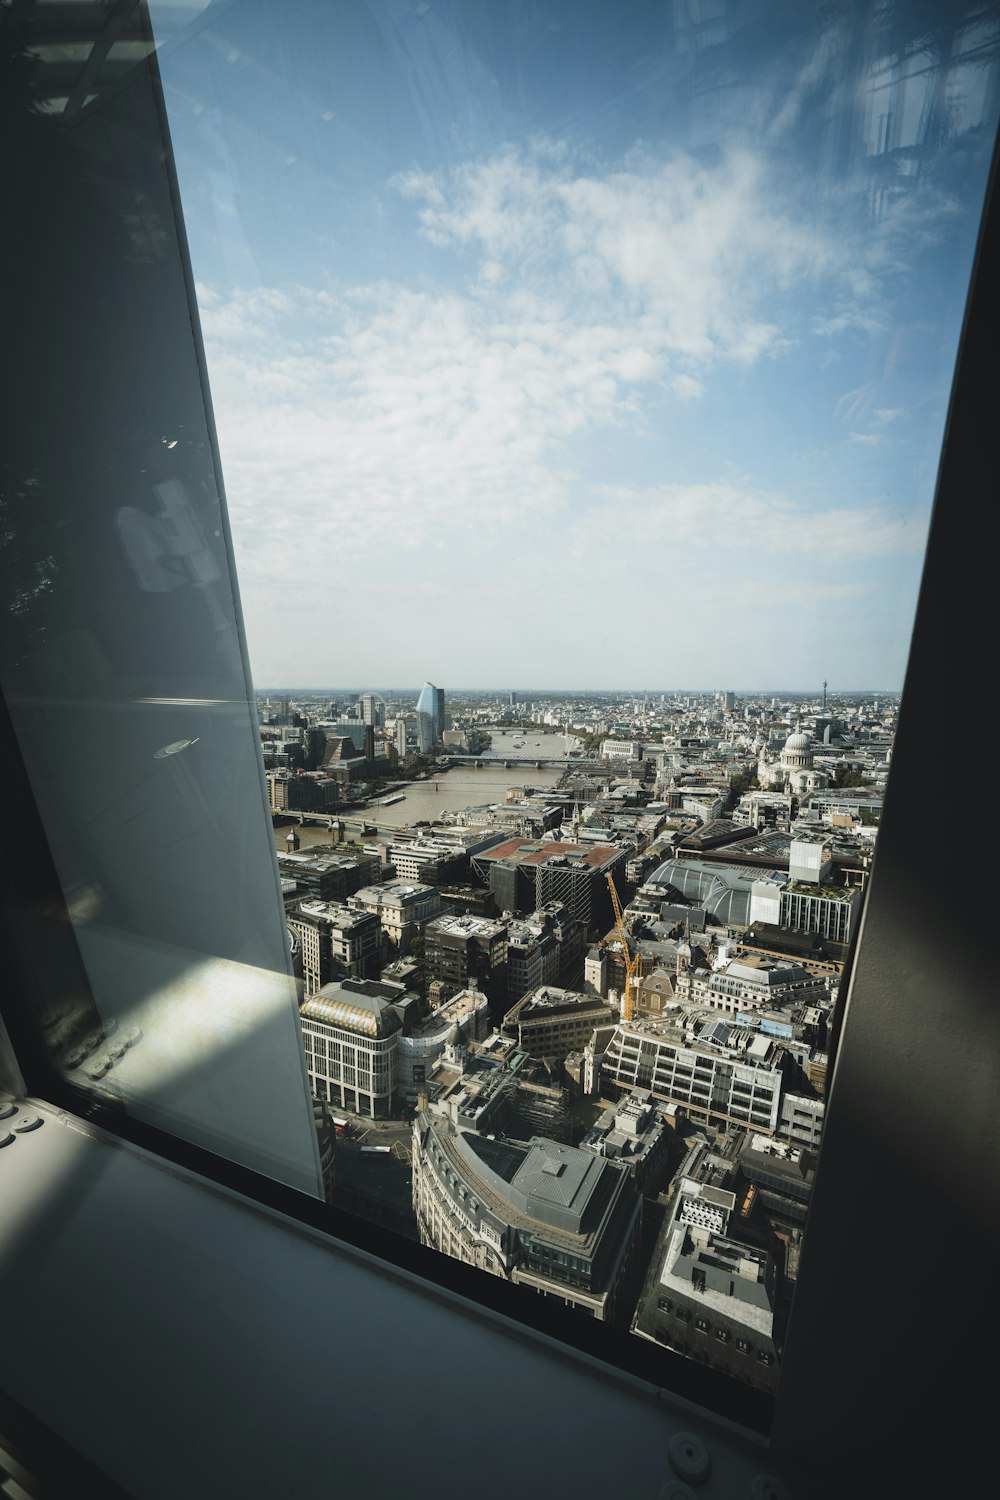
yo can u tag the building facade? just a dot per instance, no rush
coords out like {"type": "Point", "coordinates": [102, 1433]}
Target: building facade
{"type": "Point", "coordinates": [732, 1077]}
{"type": "Point", "coordinates": [335, 941]}
{"type": "Point", "coordinates": [748, 984]}
{"type": "Point", "coordinates": [350, 1032]}
{"type": "Point", "coordinates": [545, 1215]}
{"type": "Point", "coordinates": [710, 1296]}
{"type": "Point", "coordinates": [467, 951]}
{"type": "Point", "coordinates": [550, 1022]}
{"type": "Point", "coordinates": [430, 717]}
{"type": "Point", "coordinates": [402, 907]}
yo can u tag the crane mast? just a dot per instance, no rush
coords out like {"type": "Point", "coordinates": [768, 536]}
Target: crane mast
{"type": "Point", "coordinates": [633, 961]}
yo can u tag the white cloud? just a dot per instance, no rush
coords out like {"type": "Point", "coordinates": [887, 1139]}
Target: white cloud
{"type": "Point", "coordinates": [437, 435]}
{"type": "Point", "coordinates": [726, 521]}
{"type": "Point", "coordinates": [686, 387]}
{"type": "Point", "coordinates": [699, 253]}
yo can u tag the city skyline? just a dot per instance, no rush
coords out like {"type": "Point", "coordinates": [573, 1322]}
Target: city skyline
{"type": "Point", "coordinates": [561, 334]}
{"type": "Point", "coordinates": [807, 691]}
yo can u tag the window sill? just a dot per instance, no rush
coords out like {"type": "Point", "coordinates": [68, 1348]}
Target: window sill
{"type": "Point", "coordinates": [134, 1289]}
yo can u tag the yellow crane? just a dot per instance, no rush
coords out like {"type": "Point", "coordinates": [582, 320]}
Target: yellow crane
{"type": "Point", "coordinates": [633, 961]}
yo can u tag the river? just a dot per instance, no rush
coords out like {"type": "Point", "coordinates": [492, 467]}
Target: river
{"type": "Point", "coordinates": [461, 786]}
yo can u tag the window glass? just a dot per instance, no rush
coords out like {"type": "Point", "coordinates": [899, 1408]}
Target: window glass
{"type": "Point", "coordinates": [592, 361]}
{"type": "Point", "coordinates": [164, 972]}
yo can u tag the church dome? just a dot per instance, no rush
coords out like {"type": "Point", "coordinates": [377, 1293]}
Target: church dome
{"type": "Point", "coordinates": [798, 742]}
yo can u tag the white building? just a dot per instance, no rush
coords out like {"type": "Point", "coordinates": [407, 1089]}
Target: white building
{"type": "Point", "coordinates": [794, 770]}
{"type": "Point", "coordinates": [462, 1019]}
{"type": "Point", "coordinates": [350, 1032]}
{"type": "Point", "coordinates": [720, 1075]}
{"type": "Point", "coordinates": [620, 749]}
{"type": "Point", "coordinates": [403, 908]}
{"type": "Point", "coordinates": [748, 984]}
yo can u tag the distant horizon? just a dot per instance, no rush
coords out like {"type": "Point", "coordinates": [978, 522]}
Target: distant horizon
{"type": "Point", "coordinates": [687, 692]}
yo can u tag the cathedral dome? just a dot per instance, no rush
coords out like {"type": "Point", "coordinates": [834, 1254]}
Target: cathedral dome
{"type": "Point", "coordinates": [798, 742]}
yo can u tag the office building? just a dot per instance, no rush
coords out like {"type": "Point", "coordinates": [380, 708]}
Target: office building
{"type": "Point", "coordinates": [372, 710]}
{"type": "Point", "coordinates": [350, 1031]}
{"type": "Point", "coordinates": [402, 907]}
{"type": "Point", "coordinates": [546, 947]}
{"type": "Point", "coordinates": [467, 952]}
{"type": "Point", "coordinates": [749, 984]}
{"type": "Point", "coordinates": [430, 717]}
{"type": "Point", "coordinates": [719, 1073]}
{"type": "Point", "coordinates": [829, 910]}
{"type": "Point", "coordinates": [711, 1296]}
{"type": "Point", "coordinates": [612, 749]}
{"type": "Point", "coordinates": [336, 942]}
{"type": "Point", "coordinates": [544, 1215]}
{"type": "Point", "coordinates": [327, 876]}
{"type": "Point", "coordinates": [549, 1023]}
{"type": "Point", "coordinates": [524, 875]}
{"type": "Point", "coordinates": [348, 729]}
{"type": "Point", "coordinates": [441, 856]}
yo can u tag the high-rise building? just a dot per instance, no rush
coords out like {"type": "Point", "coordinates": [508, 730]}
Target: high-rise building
{"type": "Point", "coordinates": [430, 704]}
{"type": "Point", "coordinates": [401, 738]}
{"type": "Point", "coordinates": [440, 717]}
{"type": "Point", "coordinates": [372, 710]}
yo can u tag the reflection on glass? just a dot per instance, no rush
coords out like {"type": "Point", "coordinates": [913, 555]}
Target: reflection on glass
{"type": "Point", "coordinates": [122, 667]}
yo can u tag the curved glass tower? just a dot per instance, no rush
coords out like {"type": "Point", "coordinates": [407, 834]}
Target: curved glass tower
{"type": "Point", "coordinates": [430, 717]}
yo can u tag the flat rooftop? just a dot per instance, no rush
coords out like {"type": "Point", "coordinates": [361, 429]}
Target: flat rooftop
{"type": "Point", "coordinates": [530, 852]}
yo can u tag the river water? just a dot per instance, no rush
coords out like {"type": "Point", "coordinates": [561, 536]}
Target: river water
{"type": "Point", "coordinates": [461, 786]}
{"type": "Point", "coordinates": [469, 786]}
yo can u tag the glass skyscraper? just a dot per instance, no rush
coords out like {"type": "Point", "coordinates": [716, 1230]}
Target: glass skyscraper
{"type": "Point", "coordinates": [430, 717]}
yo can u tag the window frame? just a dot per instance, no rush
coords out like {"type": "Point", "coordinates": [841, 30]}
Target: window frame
{"type": "Point", "coordinates": [28, 878]}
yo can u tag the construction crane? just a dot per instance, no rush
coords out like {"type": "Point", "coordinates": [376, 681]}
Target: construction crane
{"type": "Point", "coordinates": [633, 961]}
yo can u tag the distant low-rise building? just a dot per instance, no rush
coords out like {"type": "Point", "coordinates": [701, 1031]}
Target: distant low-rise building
{"type": "Point", "coordinates": [621, 749]}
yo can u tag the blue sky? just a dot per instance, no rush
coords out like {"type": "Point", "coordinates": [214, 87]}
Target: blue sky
{"type": "Point", "coordinates": [579, 345]}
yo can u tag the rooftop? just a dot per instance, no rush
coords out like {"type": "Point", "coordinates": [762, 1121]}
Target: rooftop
{"type": "Point", "coordinates": [465, 926]}
{"type": "Point", "coordinates": [361, 1005]}
{"type": "Point", "coordinates": [530, 852]}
